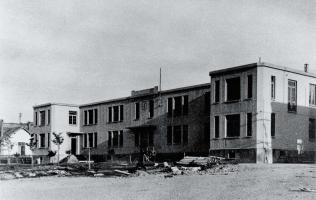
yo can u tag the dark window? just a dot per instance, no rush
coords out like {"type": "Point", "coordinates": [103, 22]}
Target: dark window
{"type": "Point", "coordinates": [42, 116]}
{"type": "Point", "coordinates": [207, 102]}
{"type": "Point", "coordinates": [36, 119]}
{"type": "Point", "coordinates": [90, 139]}
{"type": "Point", "coordinates": [233, 89]}
{"type": "Point", "coordinates": [185, 106]}
{"type": "Point", "coordinates": [249, 124]}
{"type": "Point", "coordinates": [216, 126]}
{"type": "Point", "coordinates": [292, 95]}
{"type": "Point", "coordinates": [170, 106]}
{"type": "Point", "coordinates": [185, 133]}
{"type": "Point", "coordinates": [42, 140]}
{"type": "Point", "coordinates": [95, 139]}
{"type": "Point", "coordinates": [121, 112]}
{"type": "Point", "coordinates": [217, 91]}
{"type": "Point", "coordinates": [73, 117]}
{"type": "Point", "coordinates": [136, 139]}
{"type": "Point", "coordinates": [151, 108]}
{"type": "Point", "coordinates": [177, 106]}
{"type": "Point", "coordinates": [273, 87]}
{"type": "Point", "coordinates": [177, 135]}
{"type": "Point", "coordinates": [272, 124]}
{"type": "Point", "coordinates": [85, 140]}
{"type": "Point", "coordinates": [48, 139]}
{"type": "Point", "coordinates": [23, 150]}
{"type": "Point", "coordinates": [115, 113]}
{"type": "Point", "coordinates": [137, 110]}
{"type": "Point", "coordinates": [85, 117]}
{"type": "Point", "coordinates": [249, 88]}
{"type": "Point", "coordinates": [95, 116]}
{"type": "Point", "coordinates": [121, 138]}
{"type": "Point", "coordinates": [90, 113]}
{"type": "Point", "coordinates": [48, 117]}
{"type": "Point", "coordinates": [110, 114]}
{"type": "Point", "coordinates": [115, 138]}
{"type": "Point", "coordinates": [312, 130]}
{"type": "Point", "coordinates": [169, 135]}
{"type": "Point", "coordinates": [233, 125]}
{"type": "Point", "coordinates": [109, 139]}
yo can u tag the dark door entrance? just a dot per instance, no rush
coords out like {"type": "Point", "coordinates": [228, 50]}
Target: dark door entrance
{"type": "Point", "coordinates": [74, 146]}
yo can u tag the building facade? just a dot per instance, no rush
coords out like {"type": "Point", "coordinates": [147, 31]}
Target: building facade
{"type": "Point", "coordinates": [168, 123]}
{"type": "Point", "coordinates": [263, 113]}
{"type": "Point", "coordinates": [55, 118]}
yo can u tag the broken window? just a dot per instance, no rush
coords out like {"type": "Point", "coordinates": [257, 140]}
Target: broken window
{"type": "Point", "coordinates": [233, 89]}
{"type": "Point", "coordinates": [273, 87]}
{"type": "Point", "coordinates": [216, 126]}
{"type": "Point", "coordinates": [292, 95]}
{"type": "Point", "coordinates": [185, 134]}
{"type": "Point", "coordinates": [312, 130]}
{"type": "Point", "coordinates": [233, 125]}
{"type": "Point", "coordinates": [249, 124]}
{"type": "Point", "coordinates": [272, 124]}
{"type": "Point", "coordinates": [137, 111]}
{"type": "Point", "coordinates": [151, 108]}
{"type": "Point", "coordinates": [249, 88]}
{"type": "Point", "coordinates": [177, 135]}
{"type": "Point", "coordinates": [217, 91]}
{"type": "Point", "coordinates": [42, 116]}
{"type": "Point", "coordinates": [169, 135]}
{"type": "Point", "coordinates": [312, 94]}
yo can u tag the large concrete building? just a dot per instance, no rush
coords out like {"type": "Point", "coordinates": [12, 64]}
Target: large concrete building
{"type": "Point", "coordinates": [170, 123]}
{"type": "Point", "coordinates": [258, 112]}
{"type": "Point", "coordinates": [263, 113]}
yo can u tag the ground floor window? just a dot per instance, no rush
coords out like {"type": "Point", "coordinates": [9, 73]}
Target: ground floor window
{"type": "Point", "coordinates": [312, 129]}
{"type": "Point", "coordinates": [115, 139]}
{"type": "Point", "coordinates": [42, 140]}
{"type": "Point", "coordinates": [233, 125]}
{"type": "Point", "coordinates": [90, 140]}
{"type": "Point", "coordinates": [177, 135]}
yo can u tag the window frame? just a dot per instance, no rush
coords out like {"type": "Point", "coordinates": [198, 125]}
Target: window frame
{"type": "Point", "coordinates": [227, 84]}
{"type": "Point", "coordinates": [312, 90]}
{"type": "Point", "coordinates": [273, 87]}
{"type": "Point", "coordinates": [233, 128]}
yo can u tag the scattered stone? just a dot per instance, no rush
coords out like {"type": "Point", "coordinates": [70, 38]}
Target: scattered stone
{"type": "Point", "coordinates": [18, 175]}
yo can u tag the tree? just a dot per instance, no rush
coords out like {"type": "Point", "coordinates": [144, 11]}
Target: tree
{"type": "Point", "coordinates": [58, 140]}
{"type": "Point", "coordinates": [5, 141]}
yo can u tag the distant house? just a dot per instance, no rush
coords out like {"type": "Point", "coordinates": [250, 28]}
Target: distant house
{"type": "Point", "coordinates": [14, 138]}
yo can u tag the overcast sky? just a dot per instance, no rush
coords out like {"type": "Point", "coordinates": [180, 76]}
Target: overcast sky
{"type": "Point", "coordinates": [84, 51]}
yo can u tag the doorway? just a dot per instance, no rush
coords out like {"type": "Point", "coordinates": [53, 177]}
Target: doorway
{"type": "Point", "coordinates": [73, 146]}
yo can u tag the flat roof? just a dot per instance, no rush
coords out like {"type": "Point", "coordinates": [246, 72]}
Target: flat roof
{"type": "Point", "coordinates": [58, 104]}
{"type": "Point", "coordinates": [261, 64]}
{"type": "Point", "coordinates": [163, 92]}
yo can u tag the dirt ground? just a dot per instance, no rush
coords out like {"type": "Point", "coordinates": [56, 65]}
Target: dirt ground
{"type": "Point", "coordinates": [277, 181]}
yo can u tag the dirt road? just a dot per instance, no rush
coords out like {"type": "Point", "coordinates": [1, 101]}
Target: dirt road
{"type": "Point", "coordinates": [250, 182]}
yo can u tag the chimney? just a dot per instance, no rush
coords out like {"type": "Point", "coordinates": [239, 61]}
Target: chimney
{"type": "Point", "coordinates": [306, 67]}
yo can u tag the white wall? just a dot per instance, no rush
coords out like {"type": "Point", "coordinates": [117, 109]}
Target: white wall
{"type": "Point", "coordinates": [19, 136]}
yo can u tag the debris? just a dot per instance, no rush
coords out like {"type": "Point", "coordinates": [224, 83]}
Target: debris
{"type": "Point", "coordinates": [121, 172]}
{"type": "Point", "coordinates": [18, 175]}
{"type": "Point", "coordinates": [303, 189]}
{"type": "Point", "coordinates": [31, 175]}
{"type": "Point", "coordinates": [176, 171]}
{"type": "Point", "coordinates": [165, 164]}
{"type": "Point", "coordinates": [141, 173]}
{"type": "Point", "coordinates": [200, 161]}
{"type": "Point", "coordinates": [98, 175]}
{"type": "Point", "coordinates": [168, 176]}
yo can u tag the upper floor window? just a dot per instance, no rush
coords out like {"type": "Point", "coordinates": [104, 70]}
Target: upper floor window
{"type": "Point", "coordinates": [273, 87]}
{"type": "Point", "coordinates": [90, 117]}
{"type": "Point", "coordinates": [312, 94]}
{"type": "Point", "coordinates": [137, 110]}
{"type": "Point", "coordinates": [207, 102]}
{"type": "Point", "coordinates": [42, 118]}
{"type": "Point", "coordinates": [42, 140]}
{"type": "Point", "coordinates": [292, 95]}
{"type": "Point", "coordinates": [151, 108]}
{"type": "Point", "coordinates": [233, 89]}
{"type": "Point", "coordinates": [48, 117]}
{"type": "Point", "coordinates": [217, 91]}
{"type": "Point", "coordinates": [116, 113]}
{"type": "Point", "coordinates": [36, 119]}
{"type": "Point", "coordinates": [178, 105]}
{"type": "Point", "coordinates": [73, 117]}
{"type": "Point", "coordinates": [249, 88]}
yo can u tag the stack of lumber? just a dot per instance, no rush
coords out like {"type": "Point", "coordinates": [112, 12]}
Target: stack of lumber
{"type": "Point", "coordinates": [199, 161]}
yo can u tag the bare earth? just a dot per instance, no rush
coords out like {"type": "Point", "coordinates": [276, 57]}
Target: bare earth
{"type": "Point", "coordinates": [277, 181]}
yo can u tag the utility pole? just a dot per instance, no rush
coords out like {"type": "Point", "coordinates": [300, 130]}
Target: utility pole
{"type": "Point", "coordinates": [20, 118]}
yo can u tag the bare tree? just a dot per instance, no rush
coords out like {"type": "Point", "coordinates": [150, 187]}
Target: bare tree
{"type": "Point", "coordinates": [6, 142]}
{"type": "Point", "coordinates": [58, 140]}
{"type": "Point", "coordinates": [32, 144]}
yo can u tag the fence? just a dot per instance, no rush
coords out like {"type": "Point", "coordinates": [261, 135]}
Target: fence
{"type": "Point", "coordinates": [5, 159]}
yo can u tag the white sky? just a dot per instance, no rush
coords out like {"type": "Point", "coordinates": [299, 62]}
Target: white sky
{"type": "Point", "coordinates": [85, 51]}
